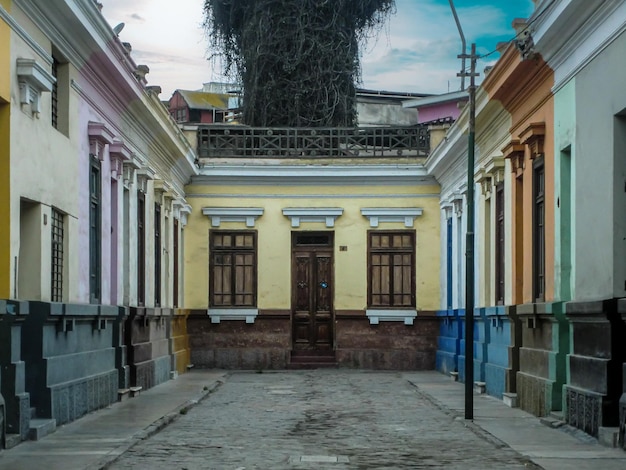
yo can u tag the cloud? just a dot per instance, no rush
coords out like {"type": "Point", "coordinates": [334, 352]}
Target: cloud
{"type": "Point", "coordinates": [420, 45]}
{"type": "Point", "coordinates": [416, 50]}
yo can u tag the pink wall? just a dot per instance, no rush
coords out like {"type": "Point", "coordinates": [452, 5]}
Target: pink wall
{"type": "Point", "coordinates": [438, 111]}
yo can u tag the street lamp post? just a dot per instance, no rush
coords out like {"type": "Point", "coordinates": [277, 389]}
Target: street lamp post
{"type": "Point", "coordinates": [469, 240]}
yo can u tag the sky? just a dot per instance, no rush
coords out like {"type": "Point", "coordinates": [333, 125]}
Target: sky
{"type": "Point", "coordinates": [416, 51]}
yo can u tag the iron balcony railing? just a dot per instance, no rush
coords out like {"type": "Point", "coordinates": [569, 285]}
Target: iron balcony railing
{"type": "Point", "coordinates": [235, 141]}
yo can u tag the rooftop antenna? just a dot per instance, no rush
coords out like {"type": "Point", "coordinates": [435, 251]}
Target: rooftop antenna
{"type": "Point", "coordinates": [118, 29]}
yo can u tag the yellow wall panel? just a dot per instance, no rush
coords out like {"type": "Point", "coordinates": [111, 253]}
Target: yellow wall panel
{"type": "Point", "coordinates": [350, 231]}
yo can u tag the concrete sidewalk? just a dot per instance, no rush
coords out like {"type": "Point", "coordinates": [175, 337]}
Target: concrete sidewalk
{"type": "Point", "coordinates": [563, 448]}
{"type": "Point", "coordinates": [100, 437]}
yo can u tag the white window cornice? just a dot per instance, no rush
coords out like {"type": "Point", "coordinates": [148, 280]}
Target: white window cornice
{"type": "Point", "coordinates": [33, 80]}
{"type": "Point", "coordinates": [233, 214]}
{"type": "Point", "coordinates": [376, 215]}
{"type": "Point", "coordinates": [299, 215]}
{"type": "Point", "coordinates": [181, 210]}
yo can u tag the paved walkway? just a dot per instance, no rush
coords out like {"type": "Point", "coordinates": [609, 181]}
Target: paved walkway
{"type": "Point", "coordinates": [319, 419]}
{"type": "Point", "coordinates": [100, 437]}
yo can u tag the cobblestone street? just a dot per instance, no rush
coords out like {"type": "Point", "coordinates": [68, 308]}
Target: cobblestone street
{"type": "Point", "coordinates": [320, 419]}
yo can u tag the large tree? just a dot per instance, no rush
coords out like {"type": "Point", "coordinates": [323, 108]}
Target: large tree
{"type": "Point", "coordinates": [298, 60]}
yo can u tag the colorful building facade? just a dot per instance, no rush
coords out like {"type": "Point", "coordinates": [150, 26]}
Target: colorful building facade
{"type": "Point", "coordinates": [312, 259]}
{"type": "Point", "coordinates": [92, 247]}
{"type": "Point", "coordinates": [549, 327]}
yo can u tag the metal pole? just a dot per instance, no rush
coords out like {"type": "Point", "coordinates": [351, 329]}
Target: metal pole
{"type": "Point", "coordinates": [464, 46]}
{"type": "Point", "coordinates": [469, 247]}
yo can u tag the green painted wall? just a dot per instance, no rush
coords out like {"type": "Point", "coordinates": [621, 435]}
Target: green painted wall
{"type": "Point", "coordinates": [565, 150]}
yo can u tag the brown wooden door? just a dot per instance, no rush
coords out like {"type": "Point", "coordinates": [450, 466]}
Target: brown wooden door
{"type": "Point", "coordinates": [312, 294]}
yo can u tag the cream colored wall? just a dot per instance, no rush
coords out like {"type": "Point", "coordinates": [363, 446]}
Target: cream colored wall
{"type": "Point", "coordinates": [55, 182]}
{"type": "Point", "coordinates": [5, 174]}
{"type": "Point", "coordinates": [274, 239]}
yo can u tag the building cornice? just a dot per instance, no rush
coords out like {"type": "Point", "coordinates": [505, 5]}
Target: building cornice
{"type": "Point", "coordinates": [27, 38]}
{"type": "Point", "coordinates": [569, 34]}
{"type": "Point", "coordinates": [304, 175]}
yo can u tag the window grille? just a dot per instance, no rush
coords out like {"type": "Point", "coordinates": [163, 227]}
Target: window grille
{"type": "Point", "coordinates": [55, 94]}
{"type": "Point", "coordinates": [58, 228]}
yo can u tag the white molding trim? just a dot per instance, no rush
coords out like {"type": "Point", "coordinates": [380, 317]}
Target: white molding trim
{"type": "Point", "coordinates": [233, 214]}
{"type": "Point", "coordinates": [27, 38]}
{"type": "Point", "coordinates": [376, 315]}
{"type": "Point", "coordinates": [299, 215]}
{"type": "Point", "coordinates": [219, 314]}
{"type": "Point", "coordinates": [391, 214]}
{"type": "Point", "coordinates": [273, 174]}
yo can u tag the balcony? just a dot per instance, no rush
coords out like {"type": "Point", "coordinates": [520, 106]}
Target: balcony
{"type": "Point", "coordinates": [234, 141]}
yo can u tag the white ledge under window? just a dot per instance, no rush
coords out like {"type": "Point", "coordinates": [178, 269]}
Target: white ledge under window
{"type": "Point", "coordinates": [378, 315]}
{"type": "Point", "coordinates": [233, 214]}
{"type": "Point", "coordinates": [219, 314]}
{"type": "Point", "coordinates": [391, 214]}
{"type": "Point", "coordinates": [299, 215]}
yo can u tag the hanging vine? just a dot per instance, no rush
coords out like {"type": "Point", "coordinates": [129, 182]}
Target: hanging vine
{"type": "Point", "coordinates": [298, 60]}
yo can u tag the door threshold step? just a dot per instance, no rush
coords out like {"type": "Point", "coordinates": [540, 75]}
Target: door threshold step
{"type": "Point", "coordinates": [313, 359]}
{"type": "Point", "coordinates": [312, 365]}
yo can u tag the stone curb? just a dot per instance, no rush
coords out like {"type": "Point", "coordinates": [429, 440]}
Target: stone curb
{"type": "Point", "coordinates": [156, 426]}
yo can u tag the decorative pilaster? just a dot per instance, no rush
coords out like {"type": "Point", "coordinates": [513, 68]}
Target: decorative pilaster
{"type": "Point", "coordinates": [118, 153]}
{"type": "Point", "coordinates": [514, 151]}
{"type": "Point", "coordinates": [144, 174]}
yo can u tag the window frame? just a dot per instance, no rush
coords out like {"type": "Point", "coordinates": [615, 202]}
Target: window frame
{"type": "Point", "coordinates": [141, 248]}
{"type": "Point", "coordinates": [538, 228]}
{"type": "Point", "coordinates": [499, 268]}
{"type": "Point", "coordinates": [214, 251]}
{"type": "Point", "coordinates": [372, 251]}
{"type": "Point", "coordinates": [157, 255]}
{"type": "Point", "coordinates": [175, 280]}
{"type": "Point", "coordinates": [95, 231]}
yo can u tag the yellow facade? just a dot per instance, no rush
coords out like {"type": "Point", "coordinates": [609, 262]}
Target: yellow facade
{"type": "Point", "coordinates": [350, 238]}
{"type": "Point", "coordinates": [5, 160]}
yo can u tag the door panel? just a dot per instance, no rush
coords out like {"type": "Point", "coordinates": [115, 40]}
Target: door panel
{"type": "Point", "coordinates": [312, 299]}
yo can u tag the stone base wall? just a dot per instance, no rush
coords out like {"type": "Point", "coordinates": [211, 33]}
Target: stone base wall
{"type": "Point", "coordinates": [542, 357]}
{"type": "Point", "coordinates": [534, 394]}
{"type": "Point", "coordinates": [266, 343]}
{"type": "Point", "coordinates": [148, 346]}
{"type": "Point", "coordinates": [596, 364]}
{"type": "Point", "coordinates": [179, 342]}
{"type": "Point", "coordinates": [502, 361]}
{"type": "Point", "coordinates": [448, 341]}
{"type": "Point", "coordinates": [70, 358]}
{"type": "Point", "coordinates": [16, 406]}
{"type": "Point", "coordinates": [585, 409]}
{"type": "Point", "coordinates": [72, 400]}
{"type": "Point", "coordinates": [235, 344]}
{"type": "Point", "coordinates": [388, 345]}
